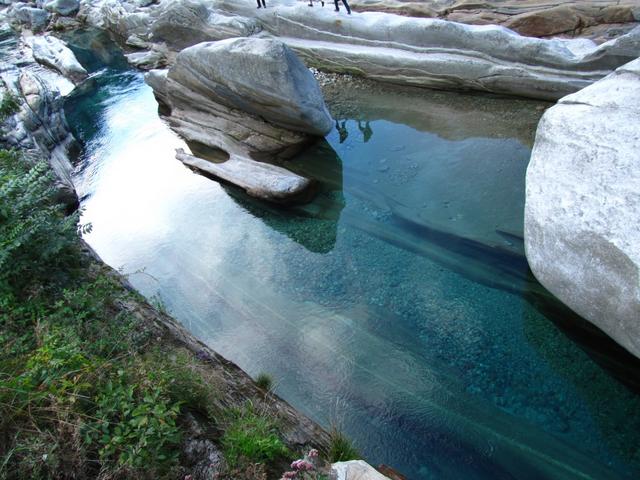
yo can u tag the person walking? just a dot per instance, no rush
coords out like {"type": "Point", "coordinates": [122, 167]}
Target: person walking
{"type": "Point", "coordinates": [346, 5]}
{"type": "Point", "coordinates": [263, 4]}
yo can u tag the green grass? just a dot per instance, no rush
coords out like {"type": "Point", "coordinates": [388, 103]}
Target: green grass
{"type": "Point", "coordinates": [251, 437]}
{"type": "Point", "coordinates": [264, 381]}
{"type": "Point", "coordinates": [341, 449]}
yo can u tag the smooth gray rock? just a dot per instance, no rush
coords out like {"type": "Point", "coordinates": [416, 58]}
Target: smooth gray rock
{"type": "Point", "coordinates": [54, 53]}
{"type": "Point", "coordinates": [147, 60]}
{"type": "Point", "coordinates": [39, 128]}
{"type": "Point", "coordinates": [260, 76]}
{"type": "Point", "coordinates": [157, 80]}
{"type": "Point", "coordinates": [440, 54]}
{"type": "Point", "coordinates": [121, 17]}
{"type": "Point", "coordinates": [63, 7]}
{"type": "Point", "coordinates": [582, 229]}
{"type": "Point", "coordinates": [258, 179]}
{"type": "Point", "coordinates": [184, 23]}
{"type": "Point", "coordinates": [421, 52]}
{"type": "Point", "coordinates": [36, 18]}
{"type": "Point", "coordinates": [248, 98]}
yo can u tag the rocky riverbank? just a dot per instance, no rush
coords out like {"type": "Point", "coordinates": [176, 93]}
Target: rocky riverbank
{"type": "Point", "coordinates": [598, 20]}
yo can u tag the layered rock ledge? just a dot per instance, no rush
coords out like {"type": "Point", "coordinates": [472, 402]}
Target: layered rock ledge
{"type": "Point", "coordinates": [582, 230]}
{"type": "Point", "coordinates": [253, 101]}
{"type": "Point", "coordinates": [599, 19]}
{"type": "Point", "coordinates": [422, 52]}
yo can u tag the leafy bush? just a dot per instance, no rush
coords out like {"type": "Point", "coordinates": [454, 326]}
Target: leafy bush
{"type": "Point", "coordinates": [36, 238]}
{"type": "Point", "coordinates": [8, 105]}
{"type": "Point", "coordinates": [251, 437]}
{"type": "Point", "coordinates": [134, 427]}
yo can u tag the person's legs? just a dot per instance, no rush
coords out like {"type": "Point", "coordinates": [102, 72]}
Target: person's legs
{"type": "Point", "coordinates": [335, 2]}
{"type": "Point", "coordinates": [346, 5]}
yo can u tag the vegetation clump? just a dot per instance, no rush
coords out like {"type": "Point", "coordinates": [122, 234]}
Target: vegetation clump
{"type": "Point", "coordinates": [8, 105]}
{"type": "Point", "coordinates": [251, 437]}
{"type": "Point", "coordinates": [341, 449]}
{"type": "Point", "coordinates": [264, 381]}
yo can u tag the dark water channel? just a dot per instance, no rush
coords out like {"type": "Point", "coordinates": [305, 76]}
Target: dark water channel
{"type": "Point", "coordinates": [398, 304]}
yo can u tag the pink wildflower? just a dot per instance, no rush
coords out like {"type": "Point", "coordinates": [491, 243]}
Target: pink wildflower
{"type": "Point", "coordinates": [288, 475]}
{"type": "Point", "coordinates": [313, 453]}
{"type": "Point", "coordinates": [302, 465]}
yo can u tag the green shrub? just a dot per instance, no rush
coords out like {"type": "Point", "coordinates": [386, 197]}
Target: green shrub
{"type": "Point", "coordinates": [8, 105]}
{"type": "Point", "coordinates": [177, 376]}
{"type": "Point", "coordinates": [341, 449]}
{"type": "Point", "coordinates": [36, 238]}
{"type": "Point", "coordinates": [134, 427]}
{"type": "Point", "coordinates": [264, 381]}
{"type": "Point", "coordinates": [251, 437]}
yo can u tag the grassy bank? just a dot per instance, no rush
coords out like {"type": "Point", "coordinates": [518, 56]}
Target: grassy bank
{"type": "Point", "coordinates": [95, 383]}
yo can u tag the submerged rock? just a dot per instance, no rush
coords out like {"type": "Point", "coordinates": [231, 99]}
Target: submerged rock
{"type": "Point", "coordinates": [251, 99]}
{"type": "Point", "coordinates": [54, 53]}
{"type": "Point", "coordinates": [582, 231]}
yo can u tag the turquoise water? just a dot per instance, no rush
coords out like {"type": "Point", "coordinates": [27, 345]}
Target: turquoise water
{"type": "Point", "coordinates": [398, 304]}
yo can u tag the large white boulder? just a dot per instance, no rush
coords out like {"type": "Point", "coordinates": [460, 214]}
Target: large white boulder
{"type": "Point", "coordinates": [249, 99]}
{"type": "Point", "coordinates": [582, 215]}
{"type": "Point", "coordinates": [262, 77]}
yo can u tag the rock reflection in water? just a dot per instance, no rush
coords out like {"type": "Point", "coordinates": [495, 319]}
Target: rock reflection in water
{"type": "Point", "coordinates": [313, 225]}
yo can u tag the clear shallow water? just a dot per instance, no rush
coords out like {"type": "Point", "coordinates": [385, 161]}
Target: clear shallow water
{"type": "Point", "coordinates": [397, 304]}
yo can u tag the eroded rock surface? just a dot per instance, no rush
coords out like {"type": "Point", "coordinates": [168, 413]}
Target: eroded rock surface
{"type": "Point", "coordinates": [251, 99]}
{"type": "Point", "coordinates": [54, 53]}
{"type": "Point", "coordinates": [414, 51]}
{"type": "Point", "coordinates": [62, 7]}
{"type": "Point", "coordinates": [582, 230]}
{"type": "Point", "coordinates": [37, 126]}
{"type": "Point", "coordinates": [536, 18]}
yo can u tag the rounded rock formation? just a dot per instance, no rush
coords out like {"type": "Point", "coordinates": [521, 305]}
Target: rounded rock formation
{"type": "Point", "coordinates": [582, 228]}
